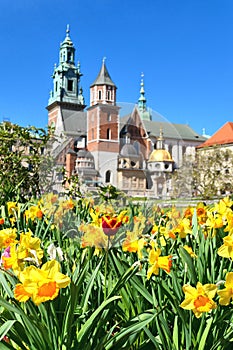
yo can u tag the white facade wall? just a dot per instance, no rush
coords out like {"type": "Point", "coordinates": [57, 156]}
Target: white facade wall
{"type": "Point", "coordinates": [106, 161]}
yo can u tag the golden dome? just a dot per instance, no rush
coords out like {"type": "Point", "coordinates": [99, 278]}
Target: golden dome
{"type": "Point", "coordinates": [160, 155]}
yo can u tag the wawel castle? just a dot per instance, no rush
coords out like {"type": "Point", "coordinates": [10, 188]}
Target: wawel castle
{"type": "Point", "coordinates": [100, 145]}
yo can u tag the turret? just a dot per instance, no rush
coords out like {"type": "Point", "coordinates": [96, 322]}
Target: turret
{"type": "Point", "coordinates": [66, 76]}
{"type": "Point", "coordinates": [103, 89]}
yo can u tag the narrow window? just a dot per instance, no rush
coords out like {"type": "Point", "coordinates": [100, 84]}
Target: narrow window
{"type": "Point", "coordinates": [108, 134]}
{"type": "Point", "coordinates": [70, 85]}
{"type": "Point", "coordinates": [109, 117]}
{"type": "Point", "coordinates": [69, 56]}
{"type": "Point", "coordinates": [108, 95]}
{"type": "Point", "coordinates": [100, 94]}
{"type": "Point", "coordinates": [108, 176]}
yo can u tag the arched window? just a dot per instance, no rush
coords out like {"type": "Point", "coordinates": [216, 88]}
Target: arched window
{"type": "Point", "coordinates": [108, 176]}
{"type": "Point", "coordinates": [108, 134]}
{"type": "Point", "coordinates": [100, 94]}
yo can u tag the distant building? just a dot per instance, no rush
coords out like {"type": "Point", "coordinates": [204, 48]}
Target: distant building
{"type": "Point", "coordinates": [220, 144]}
{"type": "Point", "coordinates": [132, 152]}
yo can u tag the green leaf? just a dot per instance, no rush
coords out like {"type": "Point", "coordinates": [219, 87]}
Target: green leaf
{"type": "Point", "coordinates": [89, 287]}
{"type": "Point", "coordinates": [202, 343]}
{"type": "Point", "coordinates": [5, 285]}
{"type": "Point", "coordinates": [5, 328]}
{"type": "Point", "coordinates": [188, 260]}
{"type": "Point", "coordinates": [175, 335]}
{"type": "Point", "coordinates": [194, 224]}
{"type": "Point", "coordinates": [83, 333]}
{"type": "Point", "coordinates": [118, 340]}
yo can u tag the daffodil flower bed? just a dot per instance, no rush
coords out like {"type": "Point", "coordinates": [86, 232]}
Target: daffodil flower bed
{"type": "Point", "coordinates": [76, 274]}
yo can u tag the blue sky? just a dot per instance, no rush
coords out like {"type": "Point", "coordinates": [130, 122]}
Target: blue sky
{"type": "Point", "coordinates": [183, 47]}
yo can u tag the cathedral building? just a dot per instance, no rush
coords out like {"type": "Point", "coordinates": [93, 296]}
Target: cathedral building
{"type": "Point", "coordinates": [132, 152]}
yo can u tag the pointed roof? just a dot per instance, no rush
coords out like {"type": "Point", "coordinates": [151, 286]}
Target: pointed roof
{"type": "Point", "coordinates": [142, 99]}
{"type": "Point", "coordinates": [67, 40]}
{"type": "Point", "coordinates": [145, 113]}
{"type": "Point", "coordinates": [222, 137]}
{"type": "Point", "coordinates": [103, 77]}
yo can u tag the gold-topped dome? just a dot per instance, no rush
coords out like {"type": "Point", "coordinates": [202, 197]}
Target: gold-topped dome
{"type": "Point", "coordinates": [160, 155]}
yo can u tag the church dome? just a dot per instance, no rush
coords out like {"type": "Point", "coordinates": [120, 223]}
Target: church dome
{"type": "Point", "coordinates": [128, 151]}
{"type": "Point", "coordinates": [84, 154]}
{"type": "Point", "coordinates": [160, 155]}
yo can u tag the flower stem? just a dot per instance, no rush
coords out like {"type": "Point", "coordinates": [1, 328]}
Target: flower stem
{"type": "Point", "coordinates": [106, 269]}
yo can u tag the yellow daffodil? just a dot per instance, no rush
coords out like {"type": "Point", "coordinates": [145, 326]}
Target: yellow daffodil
{"type": "Point", "coordinates": [188, 213]}
{"type": "Point", "coordinates": [190, 251]}
{"type": "Point", "coordinates": [40, 284]}
{"type": "Point", "coordinates": [223, 206]}
{"type": "Point", "coordinates": [183, 228]}
{"type": "Point", "coordinates": [158, 262]}
{"type": "Point", "coordinates": [201, 213]}
{"type": "Point", "coordinates": [226, 294]}
{"type": "Point", "coordinates": [226, 250]}
{"type": "Point", "coordinates": [7, 237]}
{"type": "Point", "coordinates": [93, 236]}
{"type": "Point", "coordinates": [68, 204]}
{"type": "Point", "coordinates": [33, 213]}
{"type": "Point", "coordinates": [12, 208]}
{"type": "Point", "coordinates": [133, 244]}
{"type": "Point", "coordinates": [9, 259]}
{"type": "Point", "coordinates": [214, 220]}
{"type": "Point", "coordinates": [95, 216]}
{"type": "Point", "coordinates": [229, 222]}
{"type": "Point", "coordinates": [199, 299]}
{"type": "Point", "coordinates": [27, 250]}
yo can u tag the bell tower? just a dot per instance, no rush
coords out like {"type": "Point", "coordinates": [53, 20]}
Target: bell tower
{"type": "Point", "coordinates": [67, 92]}
{"type": "Point", "coordinates": [103, 125]}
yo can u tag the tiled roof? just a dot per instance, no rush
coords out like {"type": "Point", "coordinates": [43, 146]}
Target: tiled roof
{"type": "Point", "coordinates": [170, 130]}
{"type": "Point", "coordinates": [75, 123]}
{"type": "Point", "coordinates": [222, 137]}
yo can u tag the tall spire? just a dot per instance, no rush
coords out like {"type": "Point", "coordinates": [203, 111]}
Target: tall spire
{"type": "Point", "coordinates": [145, 114]}
{"type": "Point", "coordinates": [142, 99]}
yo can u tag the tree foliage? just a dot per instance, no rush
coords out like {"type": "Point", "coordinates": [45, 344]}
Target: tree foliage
{"type": "Point", "coordinates": [25, 161]}
{"type": "Point", "coordinates": [209, 174]}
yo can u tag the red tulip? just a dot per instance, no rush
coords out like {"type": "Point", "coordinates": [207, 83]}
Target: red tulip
{"type": "Point", "coordinates": [110, 225]}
